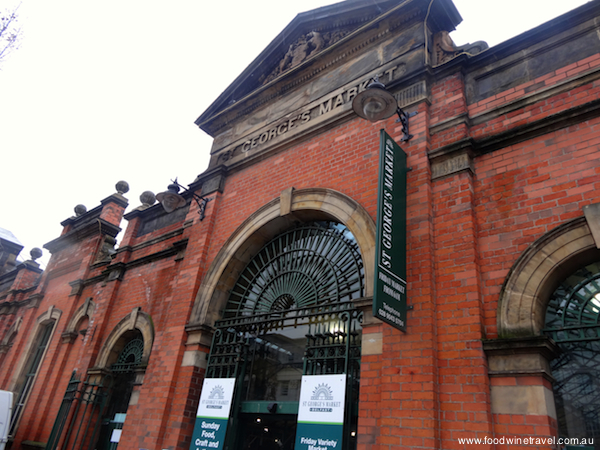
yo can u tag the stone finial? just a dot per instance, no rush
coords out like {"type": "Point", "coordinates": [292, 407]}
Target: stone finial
{"type": "Point", "coordinates": [80, 210]}
{"type": "Point", "coordinates": [147, 198]}
{"type": "Point", "coordinates": [35, 253]}
{"type": "Point", "coordinates": [446, 49]}
{"type": "Point", "coordinates": [122, 187]}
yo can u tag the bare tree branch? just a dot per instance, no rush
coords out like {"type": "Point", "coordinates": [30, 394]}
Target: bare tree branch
{"type": "Point", "coordinates": [10, 33]}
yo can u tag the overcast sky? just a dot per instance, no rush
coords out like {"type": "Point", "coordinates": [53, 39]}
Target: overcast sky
{"type": "Point", "coordinates": [107, 91]}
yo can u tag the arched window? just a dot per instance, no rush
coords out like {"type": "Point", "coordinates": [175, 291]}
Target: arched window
{"type": "Point", "coordinates": [123, 382]}
{"type": "Point", "coordinates": [36, 354]}
{"type": "Point", "coordinates": [98, 406]}
{"type": "Point", "coordinates": [289, 314]}
{"type": "Point", "coordinates": [572, 321]}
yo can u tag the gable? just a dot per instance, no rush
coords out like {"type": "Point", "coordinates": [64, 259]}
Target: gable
{"type": "Point", "coordinates": [308, 35]}
{"type": "Point", "coordinates": [300, 85]}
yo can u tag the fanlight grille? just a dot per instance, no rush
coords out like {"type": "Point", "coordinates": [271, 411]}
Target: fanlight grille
{"type": "Point", "coordinates": [130, 356]}
{"type": "Point", "coordinates": [574, 308]}
{"type": "Point", "coordinates": [572, 321]}
{"type": "Point", "coordinates": [307, 266]}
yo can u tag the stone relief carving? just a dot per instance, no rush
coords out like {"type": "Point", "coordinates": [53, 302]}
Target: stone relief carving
{"type": "Point", "coordinates": [225, 156]}
{"type": "Point", "coordinates": [107, 249]}
{"type": "Point", "coordinates": [446, 50]}
{"type": "Point", "coordinates": [306, 46]}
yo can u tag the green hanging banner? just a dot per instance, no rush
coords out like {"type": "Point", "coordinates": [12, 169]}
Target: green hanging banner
{"type": "Point", "coordinates": [213, 414]}
{"type": "Point", "coordinates": [389, 295]}
{"type": "Point", "coordinates": [321, 412]}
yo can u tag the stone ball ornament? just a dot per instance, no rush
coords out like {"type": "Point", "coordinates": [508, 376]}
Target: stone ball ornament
{"type": "Point", "coordinates": [36, 253]}
{"type": "Point", "coordinates": [148, 198]}
{"type": "Point", "coordinates": [122, 187]}
{"type": "Point", "coordinates": [80, 210]}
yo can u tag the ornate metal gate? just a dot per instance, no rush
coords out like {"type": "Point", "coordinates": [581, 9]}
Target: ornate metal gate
{"type": "Point", "coordinates": [83, 420]}
{"type": "Point", "coordinates": [291, 313]}
{"type": "Point", "coordinates": [80, 412]}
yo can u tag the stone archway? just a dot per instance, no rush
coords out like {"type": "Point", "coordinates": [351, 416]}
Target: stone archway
{"type": "Point", "coordinates": [293, 206]}
{"type": "Point", "coordinates": [537, 273]}
{"type": "Point", "coordinates": [132, 336]}
{"type": "Point", "coordinates": [25, 376]}
{"type": "Point", "coordinates": [521, 349]}
{"type": "Point", "coordinates": [136, 320]}
{"type": "Point", "coordinates": [84, 311]}
{"type": "Point", "coordinates": [51, 316]}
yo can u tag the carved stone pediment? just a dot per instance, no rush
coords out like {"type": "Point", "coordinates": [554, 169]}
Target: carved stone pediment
{"type": "Point", "coordinates": [303, 48]}
{"type": "Point", "coordinates": [308, 34]}
{"type": "Point", "coordinates": [335, 43]}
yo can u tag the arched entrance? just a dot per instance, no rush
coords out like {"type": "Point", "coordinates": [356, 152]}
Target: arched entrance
{"type": "Point", "coordinates": [123, 373]}
{"type": "Point", "coordinates": [290, 313]}
{"type": "Point", "coordinates": [96, 405]}
{"type": "Point", "coordinates": [548, 332]}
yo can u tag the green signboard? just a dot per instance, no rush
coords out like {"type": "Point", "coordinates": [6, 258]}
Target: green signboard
{"type": "Point", "coordinates": [213, 414]}
{"type": "Point", "coordinates": [321, 412]}
{"type": "Point", "coordinates": [389, 295]}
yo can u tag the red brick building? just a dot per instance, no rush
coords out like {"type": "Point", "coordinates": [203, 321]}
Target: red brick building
{"type": "Point", "coordinates": [273, 276]}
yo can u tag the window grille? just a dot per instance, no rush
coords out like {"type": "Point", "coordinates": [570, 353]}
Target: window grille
{"type": "Point", "coordinates": [572, 322]}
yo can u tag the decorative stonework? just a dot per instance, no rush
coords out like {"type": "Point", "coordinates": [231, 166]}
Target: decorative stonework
{"type": "Point", "coordinates": [10, 335]}
{"type": "Point", "coordinates": [107, 250]}
{"type": "Point", "coordinates": [76, 287]}
{"type": "Point", "coordinates": [115, 272]}
{"type": "Point", "coordinates": [85, 310]}
{"type": "Point", "coordinates": [306, 204]}
{"type": "Point", "coordinates": [35, 300]}
{"type": "Point", "coordinates": [454, 163]}
{"type": "Point", "coordinates": [80, 210]}
{"type": "Point", "coordinates": [592, 216]}
{"type": "Point", "coordinates": [520, 356]}
{"type": "Point", "coordinates": [445, 49]}
{"type": "Point", "coordinates": [122, 187]}
{"type": "Point", "coordinates": [285, 201]}
{"type": "Point", "coordinates": [50, 317]}
{"type": "Point", "coordinates": [147, 198]}
{"type": "Point", "coordinates": [328, 60]}
{"type": "Point", "coordinates": [537, 273]}
{"type": "Point", "coordinates": [197, 346]}
{"type": "Point", "coordinates": [68, 337]}
{"type": "Point", "coordinates": [226, 156]}
{"type": "Point", "coordinates": [305, 47]}
{"type": "Point", "coordinates": [137, 319]}
{"type": "Point", "coordinates": [412, 94]}
{"type": "Point", "coordinates": [312, 115]}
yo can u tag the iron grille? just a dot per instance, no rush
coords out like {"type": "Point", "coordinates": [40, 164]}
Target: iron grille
{"type": "Point", "coordinates": [572, 321]}
{"type": "Point", "coordinates": [304, 267]}
{"type": "Point", "coordinates": [290, 313]}
{"type": "Point", "coordinates": [77, 424]}
{"type": "Point", "coordinates": [130, 357]}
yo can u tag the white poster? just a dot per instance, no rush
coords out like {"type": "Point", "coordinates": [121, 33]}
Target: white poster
{"type": "Point", "coordinates": [216, 397]}
{"type": "Point", "coordinates": [321, 412]}
{"type": "Point", "coordinates": [213, 414]}
{"type": "Point", "coordinates": [322, 399]}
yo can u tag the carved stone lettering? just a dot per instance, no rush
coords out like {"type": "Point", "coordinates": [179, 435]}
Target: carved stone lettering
{"type": "Point", "coordinates": [330, 105]}
{"type": "Point", "coordinates": [451, 165]}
